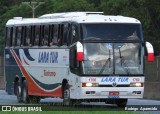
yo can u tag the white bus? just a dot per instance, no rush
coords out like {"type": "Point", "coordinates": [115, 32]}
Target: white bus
{"type": "Point", "coordinates": [76, 56]}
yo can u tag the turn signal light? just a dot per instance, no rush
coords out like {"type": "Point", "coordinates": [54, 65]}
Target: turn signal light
{"type": "Point", "coordinates": [136, 84]}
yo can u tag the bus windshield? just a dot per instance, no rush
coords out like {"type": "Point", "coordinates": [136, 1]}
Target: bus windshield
{"type": "Point", "coordinates": [111, 31]}
{"type": "Point", "coordinates": [113, 58]}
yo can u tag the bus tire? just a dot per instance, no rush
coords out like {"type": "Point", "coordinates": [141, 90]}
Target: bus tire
{"type": "Point", "coordinates": [18, 91]}
{"type": "Point", "coordinates": [66, 96]}
{"type": "Point", "coordinates": [25, 96]}
{"type": "Point", "coordinates": [122, 103]}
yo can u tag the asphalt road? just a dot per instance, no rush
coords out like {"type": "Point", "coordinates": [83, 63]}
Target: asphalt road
{"type": "Point", "coordinates": [6, 99]}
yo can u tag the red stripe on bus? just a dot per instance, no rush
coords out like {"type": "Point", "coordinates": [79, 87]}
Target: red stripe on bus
{"type": "Point", "coordinates": [33, 88]}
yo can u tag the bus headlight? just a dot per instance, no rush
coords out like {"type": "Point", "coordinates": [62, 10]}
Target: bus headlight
{"type": "Point", "coordinates": [136, 84]}
{"type": "Point", "coordinates": [90, 84]}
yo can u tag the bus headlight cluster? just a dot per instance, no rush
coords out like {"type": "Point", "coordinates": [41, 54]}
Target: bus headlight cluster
{"type": "Point", "coordinates": [136, 84]}
{"type": "Point", "coordinates": [90, 84]}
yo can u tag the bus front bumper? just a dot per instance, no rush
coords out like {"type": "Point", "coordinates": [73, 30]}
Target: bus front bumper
{"type": "Point", "coordinates": [107, 93]}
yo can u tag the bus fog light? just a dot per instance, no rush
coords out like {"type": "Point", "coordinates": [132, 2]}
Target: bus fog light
{"type": "Point", "coordinates": [136, 84]}
{"type": "Point", "coordinates": [90, 84]}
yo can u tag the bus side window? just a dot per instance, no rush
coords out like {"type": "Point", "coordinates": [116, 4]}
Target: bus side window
{"type": "Point", "coordinates": [11, 36]}
{"type": "Point", "coordinates": [32, 36]}
{"type": "Point", "coordinates": [14, 36]}
{"type": "Point", "coordinates": [24, 36]}
{"type": "Point", "coordinates": [74, 34]}
{"type": "Point", "coordinates": [42, 35]}
{"type": "Point", "coordinates": [60, 34]}
{"type": "Point", "coordinates": [69, 35]}
{"type": "Point", "coordinates": [8, 36]}
{"type": "Point", "coordinates": [19, 35]}
{"type": "Point", "coordinates": [28, 36]}
{"type": "Point", "coordinates": [55, 35]}
{"type": "Point", "coordinates": [37, 35]}
{"type": "Point", "coordinates": [51, 27]}
{"type": "Point", "coordinates": [53, 31]}
{"type": "Point", "coordinates": [45, 35]}
{"type": "Point", "coordinates": [65, 34]}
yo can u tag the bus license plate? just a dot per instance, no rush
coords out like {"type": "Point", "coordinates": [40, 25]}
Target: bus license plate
{"type": "Point", "coordinates": [113, 93]}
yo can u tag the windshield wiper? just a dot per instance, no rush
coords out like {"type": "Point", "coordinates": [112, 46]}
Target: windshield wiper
{"type": "Point", "coordinates": [122, 59]}
{"type": "Point", "coordinates": [107, 61]}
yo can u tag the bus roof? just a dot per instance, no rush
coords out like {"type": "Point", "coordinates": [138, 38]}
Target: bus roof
{"type": "Point", "coordinates": [78, 17]}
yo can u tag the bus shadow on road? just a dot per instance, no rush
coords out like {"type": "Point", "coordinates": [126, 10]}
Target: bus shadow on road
{"type": "Point", "coordinates": [58, 106]}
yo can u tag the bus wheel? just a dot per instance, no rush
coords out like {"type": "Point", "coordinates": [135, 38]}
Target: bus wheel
{"type": "Point", "coordinates": [25, 96]}
{"type": "Point", "coordinates": [18, 91]}
{"type": "Point", "coordinates": [122, 102]}
{"type": "Point", "coordinates": [66, 96]}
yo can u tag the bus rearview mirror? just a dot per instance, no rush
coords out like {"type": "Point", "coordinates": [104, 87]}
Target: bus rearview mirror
{"type": "Point", "coordinates": [150, 51]}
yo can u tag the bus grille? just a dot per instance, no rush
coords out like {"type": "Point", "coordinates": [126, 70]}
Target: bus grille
{"type": "Point", "coordinates": [116, 86]}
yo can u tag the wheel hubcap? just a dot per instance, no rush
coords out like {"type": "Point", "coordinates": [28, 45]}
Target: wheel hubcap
{"type": "Point", "coordinates": [66, 94]}
{"type": "Point", "coordinates": [18, 90]}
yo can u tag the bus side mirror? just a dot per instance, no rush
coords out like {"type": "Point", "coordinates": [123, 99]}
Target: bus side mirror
{"type": "Point", "coordinates": [150, 52]}
{"type": "Point", "coordinates": [80, 53]}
